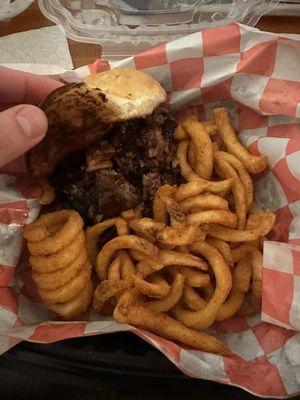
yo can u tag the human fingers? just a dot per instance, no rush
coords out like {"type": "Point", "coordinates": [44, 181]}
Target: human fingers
{"type": "Point", "coordinates": [21, 127]}
{"type": "Point", "coordinates": [18, 87]}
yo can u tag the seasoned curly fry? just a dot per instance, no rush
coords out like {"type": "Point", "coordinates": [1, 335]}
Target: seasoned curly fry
{"type": "Point", "coordinates": [203, 152]}
{"type": "Point", "coordinates": [185, 168]}
{"type": "Point", "coordinates": [161, 197]}
{"type": "Point", "coordinates": [52, 244]}
{"type": "Point", "coordinates": [157, 286]}
{"type": "Point", "coordinates": [192, 299]}
{"type": "Point", "coordinates": [76, 306]}
{"type": "Point", "coordinates": [208, 291]}
{"type": "Point", "coordinates": [256, 259]}
{"type": "Point", "coordinates": [240, 285]}
{"type": "Point", "coordinates": [243, 174]}
{"type": "Point", "coordinates": [143, 270]}
{"type": "Point", "coordinates": [133, 213]}
{"type": "Point", "coordinates": [68, 291]}
{"type": "Point", "coordinates": [146, 227]}
{"type": "Point", "coordinates": [56, 261]}
{"type": "Point", "coordinates": [233, 235]}
{"type": "Point", "coordinates": [253, 164]}
{"type": "Point", "coordinates": [169, 257]}
{"type": "Point", "coordinates": [205, 317]}
{"type": "Point", "coordinates": [194, 278]}
{"type": "Point", "coordinates": [210, 127]}
{"type": "Point", "coordinates": [172, 298]}
{"type": "Point", "coordinates": [162, 324]}
{"type": "Point", "coordinates": [114, 270]}
{"type": "Point", "coordinates": [227, 171]}
{"type": "Point", "coordinates": [128, 215]}
{"type": "Point", "coordinates": [165, 206]}
{"type": "Point", "coordinates": [206, 201]}
{"type": "Point", "coordinates": [191, 177]}
{"type": "Point", "coordinates": [94, 233]}
{"type": "Point", "coordinates": [106, 290]}
{"type": "Point", "coordinates": [127, 265]}
{"type": "Point", "coordinates": [50, 280]}
{"type": "Point", "coordinates": [61, 270]}
{"type": "Point", "coordinates": [187, 190]}
{"type": "Point", "coordinates": [181, 134]}
{"type": "Point", "coordinates": [223, 248]}
{"type": "Point", "coordinates": [222, 217]}
{"type": "Point", "coordinates": [125, 242]}
{"type": "Point", "coordinates": [191, 155]}
{"type": "Point", "coordinates": [184, 236]}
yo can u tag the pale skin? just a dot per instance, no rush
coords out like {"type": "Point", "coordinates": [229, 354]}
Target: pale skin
{"type": "Point", "coordinates": [22, 123]}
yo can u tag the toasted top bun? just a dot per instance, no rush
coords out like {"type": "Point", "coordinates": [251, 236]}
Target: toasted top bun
{"type": "Point", "coordinates": [130, 93]}
{"type": "Point", "coordinates": [79, 114]}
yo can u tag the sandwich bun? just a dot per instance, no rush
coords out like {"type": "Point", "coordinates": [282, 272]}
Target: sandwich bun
{"type": "Point", "coordinates": [81, 113]}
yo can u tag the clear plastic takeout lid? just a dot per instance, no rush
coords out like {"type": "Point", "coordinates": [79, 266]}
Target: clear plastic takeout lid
{"type": "Point", "coordinates": [126, 27]}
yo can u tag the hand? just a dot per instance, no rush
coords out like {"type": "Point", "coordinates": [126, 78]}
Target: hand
{"type": "Point", "coordinates": [22, 124]}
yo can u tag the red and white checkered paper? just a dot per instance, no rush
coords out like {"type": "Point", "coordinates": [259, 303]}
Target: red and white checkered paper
{"type": "Point", "coordinates": [257, 76]}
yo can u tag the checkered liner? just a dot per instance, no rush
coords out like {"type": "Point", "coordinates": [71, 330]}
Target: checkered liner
{"type": "Point", "coordinates": [256, 75]}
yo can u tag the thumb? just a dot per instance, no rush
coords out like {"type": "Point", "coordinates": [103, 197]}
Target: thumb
{"type": "Point", "coordinates": [21, 128]}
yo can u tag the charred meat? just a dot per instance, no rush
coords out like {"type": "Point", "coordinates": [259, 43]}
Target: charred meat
{"type": "Point", "coordinates": [121, 170]}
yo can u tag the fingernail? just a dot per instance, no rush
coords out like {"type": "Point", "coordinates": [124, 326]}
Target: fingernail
{"type": "Point", "coordinates": [32, 121]}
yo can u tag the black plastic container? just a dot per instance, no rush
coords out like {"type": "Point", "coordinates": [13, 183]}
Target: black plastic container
{"type": "Point", "coordinates": [114, 366]}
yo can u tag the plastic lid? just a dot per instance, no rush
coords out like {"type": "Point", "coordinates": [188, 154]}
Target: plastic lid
{"type": "Point", "coordinates": [127, 27]}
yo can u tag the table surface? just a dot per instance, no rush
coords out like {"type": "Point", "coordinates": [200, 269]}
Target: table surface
{"type": "Point", "coordinates": [85, 53]}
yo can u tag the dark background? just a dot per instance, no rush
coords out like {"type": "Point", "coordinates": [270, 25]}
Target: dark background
{"type": "Point", "coordinates": [110, 367]}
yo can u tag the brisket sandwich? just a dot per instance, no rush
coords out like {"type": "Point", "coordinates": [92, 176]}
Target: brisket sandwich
{"type": "Point", "coordinates": [109, 144]}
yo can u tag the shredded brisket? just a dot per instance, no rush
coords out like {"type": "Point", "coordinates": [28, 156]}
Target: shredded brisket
{"type": "Point", "coordinates": [121, 170]}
